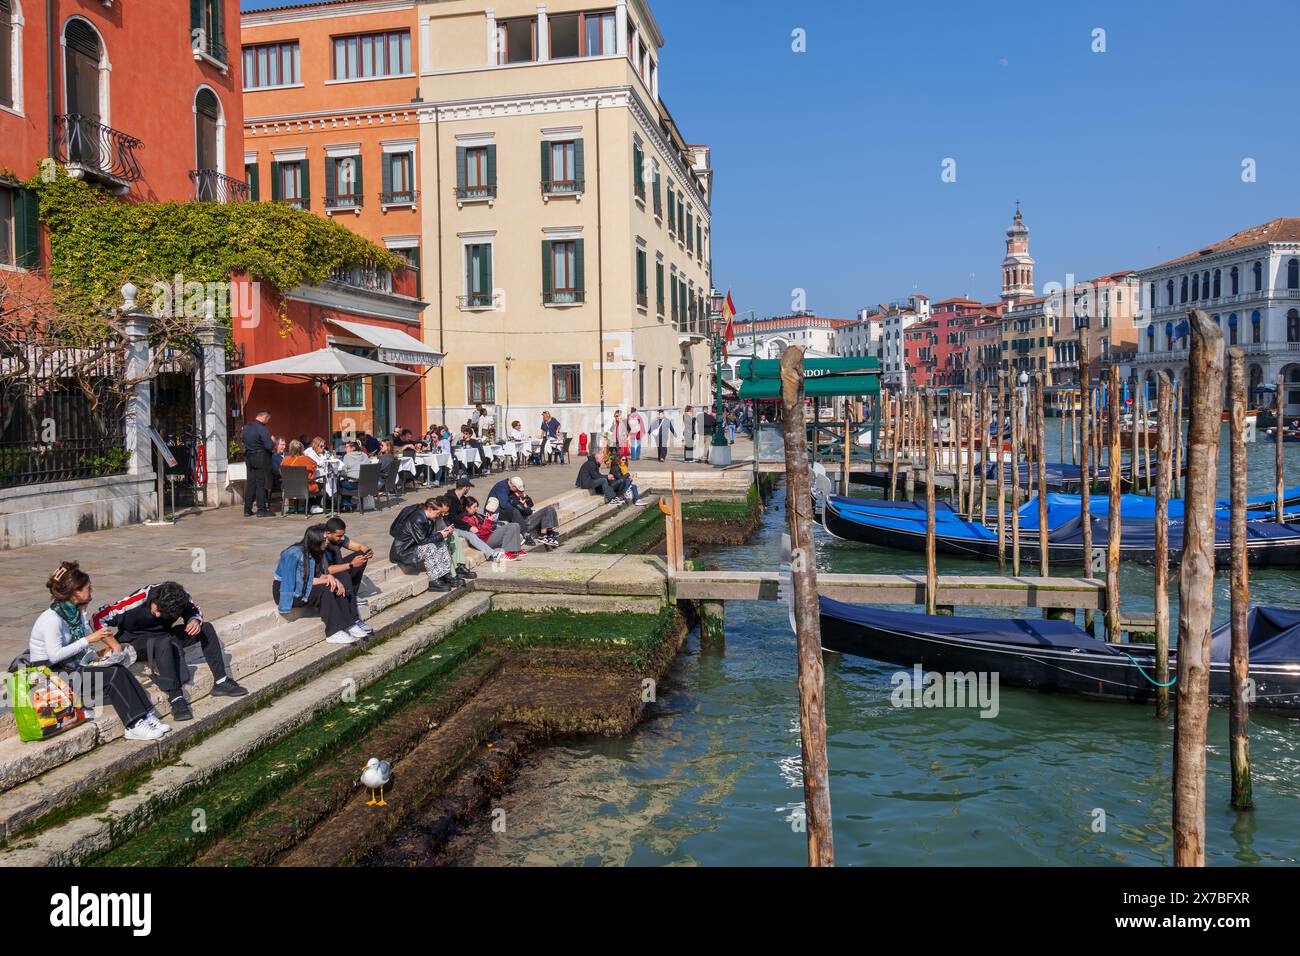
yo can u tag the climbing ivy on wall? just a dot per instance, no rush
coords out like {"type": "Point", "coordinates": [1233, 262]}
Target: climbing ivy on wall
{"type": "Point", "coordinates": [98, 243]}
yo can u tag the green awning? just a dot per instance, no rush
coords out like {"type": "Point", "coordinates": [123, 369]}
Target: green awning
{"type": "Point", "coordinates": [823, 377]}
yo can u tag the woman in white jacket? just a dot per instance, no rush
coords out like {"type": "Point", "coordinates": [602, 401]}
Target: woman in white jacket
{"type": "Point", "coordinates": [62, 635]}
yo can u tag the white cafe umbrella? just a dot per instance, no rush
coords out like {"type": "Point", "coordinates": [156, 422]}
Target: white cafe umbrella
{"type": "Point", "coordinates": [327, 366]}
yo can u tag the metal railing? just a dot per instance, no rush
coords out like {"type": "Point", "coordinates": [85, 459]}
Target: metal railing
{"type": "Point", "coordinates": [562, 187]}
{"type": "Point", "coordinates": [213, 186]}
{"type": "Point", "coordinates": [564, 297]}
{"type": "Point", "coordinates": [371, 278]}
{"type": "Point", "coordinates": [84, 142]}
{"type": "Point", "coordinates": [477, 192]}
{"type": "Point", "coordinates": [643, 300]}
{"type": "Point", "coordinates": [401, 197]}
{"type": "Point", "coordinates": [339, 201]}
{"type": "Point", "coordinates": [209, 45]}
{"type": "Point", "coordinates": [297, 202]}
{"type": "Point", "coordinates": [50, 427]}
{"type": "Point", "coordinates": [476, 300]}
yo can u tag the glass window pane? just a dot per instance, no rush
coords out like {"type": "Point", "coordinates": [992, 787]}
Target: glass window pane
{"type": "Point", "coordinates": [273, 72]}
{"type": "Point", "coordinates": [262, 69]}
{"type": "Point", "coordinates": [340, 59]}
{"type": "Point", "coordinates": [352, 57]}
{"type": "Point", "coordinates": [593, 37]}
{"type": "Point", "coordinates": [609, 44]}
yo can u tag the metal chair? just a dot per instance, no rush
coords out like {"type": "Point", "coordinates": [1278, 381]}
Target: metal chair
{"type": "Point", "coordinates": [564, 451]}
{"type": "Point", "coordinates": [367, 484]}
{"type": "Point", "coordinates": [294, 486]}
{"type": "Point", "coordinates": [391, 488]}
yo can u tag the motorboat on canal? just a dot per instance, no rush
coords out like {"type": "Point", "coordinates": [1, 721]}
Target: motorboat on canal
{"type": "Point", "coordinates": [1060, 656]}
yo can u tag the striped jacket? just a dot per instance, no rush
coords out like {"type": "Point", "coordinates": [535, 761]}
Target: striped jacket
{"type": "Point", "coordinates": [132, 615]}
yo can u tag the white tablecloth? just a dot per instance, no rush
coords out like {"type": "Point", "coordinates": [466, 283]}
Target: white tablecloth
{"type": "Point", "coordinates": [434, 460]}
{"type": "Point", "coordinates": [468, 456]}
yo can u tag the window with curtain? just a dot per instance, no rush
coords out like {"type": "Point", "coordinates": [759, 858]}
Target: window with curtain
{"type": "Point", "coordinates": [601, 35]}
{"type": "Point", "coordinates": [372, 55]}
{"type": "Point", "coordinates": [399, 179]}
{"type": "Point", "coordinates": [564, 271]}
{"type": "Point", "coordinates": [478, 274]}
{"type": "Point", "coordinates": [566, 384]}
{"type": "Point", "coordinates": [270, 65]}
{"type": "Point", "coordinates": [1293, 274]}
{"type": "Point", "coordinates": [481, 385]}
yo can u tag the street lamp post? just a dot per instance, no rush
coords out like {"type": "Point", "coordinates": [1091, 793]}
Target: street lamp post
{"type": "Point", "coordinates": [720, 450]}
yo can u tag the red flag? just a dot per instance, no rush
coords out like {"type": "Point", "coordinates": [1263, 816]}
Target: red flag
{"type": "Point", "coordinates": [729, 313]}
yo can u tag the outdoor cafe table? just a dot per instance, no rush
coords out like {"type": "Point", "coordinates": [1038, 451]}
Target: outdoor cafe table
{"type": "Point", "coordinates": [469, 457]}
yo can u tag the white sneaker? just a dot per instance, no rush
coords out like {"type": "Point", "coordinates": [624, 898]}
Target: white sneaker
{"type": "Point", "coordinates": [628, 494]}
{"type": "Point", "coordinates": [359, 632]}
{"type": "Point", "coordinates": [317, 510]}
{"type": "Point", "coordinates": [157, 722]}
{"type": "Point", "coordinates": [143, 730]}
{"type": "Point", "coordinates": [643, 502]}
{"type": "Point", "coordinates": [341, 637]}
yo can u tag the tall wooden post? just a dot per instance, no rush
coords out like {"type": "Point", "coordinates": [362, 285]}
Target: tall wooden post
{"type": "Point", "coordinates": [1015, 482]}
{"type": "Point", "coordinates": [1113, 526]}
{"type": "Point", "coordinates": [848, 452]}
{"type": "Point", "coordinates": [1164, 479]}
{"type": "Point", "coordinates": [931, 567]}
{"type": "Point", "coordinates": [1239, 703]}
{"type": "Point", "coordinates": [984, 453]}
{"type": "Point", "coordinates": [1040, 418]}
{"type": "Point", "coordinates": [1196, 588]}
{"type": "Point", "coordinates": [1179, 453]}
{"type": "Point", "coordinates": [812, 709]}
{"type": "Point", "coordinates": [1002, 491]}
{"type": "Point", "coordinates": [955, 426]}
{"type": "Point", "coordinates": [1146, 440]}
{"type": "Point", "coordinates": [1134, 444]}
{"type": "Point", "coordinates": [1281, 458]}
{"type": "Point", "coordinates": [1085, 486]}
{"type": "Point", "coordinates": [971, 420]}
{"type": "Point", "coordinates": [895, 432]}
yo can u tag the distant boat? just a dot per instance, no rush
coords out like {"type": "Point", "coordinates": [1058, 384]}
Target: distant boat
{"type": "Point", "coordinates": [1060, 656]}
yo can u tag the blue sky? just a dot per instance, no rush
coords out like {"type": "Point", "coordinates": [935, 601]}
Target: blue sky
{"type": "Point", "coordinates": [828, 161]}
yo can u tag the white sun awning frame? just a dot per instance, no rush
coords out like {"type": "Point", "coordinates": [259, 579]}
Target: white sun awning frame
{"type": "Point", "coordinates": [395, 346]}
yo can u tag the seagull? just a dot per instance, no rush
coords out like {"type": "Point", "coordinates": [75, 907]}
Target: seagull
{"type": "Point", "coordinates": [376, 774]}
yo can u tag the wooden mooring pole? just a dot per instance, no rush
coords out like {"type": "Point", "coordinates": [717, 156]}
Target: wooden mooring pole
{"type": "Point", "coordinates": [1196, 588]}
{"type": "Point", "coordinates": [1002, 493]}
{"type": "Point", "coordinates": [1015, 482]}
{"type": "Point", "coordinates": [1113, 525]}
{"type": "Point", "coordinates": [1085, 486]}
{"type": "Point", "coordinates": [984, 453]}
{"type": "Point", "coordinates": [1281, 458]}
{"type": "Point", "coordinates": [1040, 418]}
{"type": "Point", "coordinates": [1179, 453]}
{"type": "Point", "coordinates": [803, 564]}
{"type": "Point", "coordinates": [1239, 703]}
{"type": "Point", "coordinates": [971, 420]}
{"type": "Point", "coordinates": [931, 564]}
{"type": "Point", "coordinates": [1164, 478]}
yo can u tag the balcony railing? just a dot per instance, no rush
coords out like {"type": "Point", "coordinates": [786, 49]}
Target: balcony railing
{"type": "Point", "coordinates": [464, 193]}
{"type": "Point", "coordinates": [349, 201]}
{"type": "Point", "coordinates": [86, 146]}
{"type": "Point", "coordinates": [212, 186]}
{"type": "Point", "coordinates": [564, 297]}
{"type": "Point", "coordinates": [297, 202]}
{"type": "Point", "coordinates": [204, 44]}
{"type": "Point", "coordinates": [476, 300]}
{"type": "Point", "coordinates": [643, 300]}
{"type": "Point", "coordinates": [400, 197]}
{"type": "Point", "coordinates": [370, 278]}
{"type": "Point", "coordinates": [562, 187]}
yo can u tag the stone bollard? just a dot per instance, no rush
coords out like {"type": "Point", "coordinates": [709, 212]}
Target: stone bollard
{"type": "Point", "coordinates": [713, 619]}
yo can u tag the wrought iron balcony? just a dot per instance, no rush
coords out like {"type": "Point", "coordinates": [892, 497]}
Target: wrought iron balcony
{"type": "Point", "coordinates": [349, 201]}
{"type": "Point", "coordinates": [562, 187]}
{"type": "Point", "coordinates": [471, 193]}
{"type": "Point", "coordinates": [297, 202]}
{"type": "Point", "coordinates": [564, 297]}
{"type": "Point", "coordinates": [89, 148]}
{"type": "Point", "coordinates": [477, 300]}
{"type": "Point", "coordinates": [401, 197]}
{"type": "Point", "coordinates": [643, 300]}
{"type": "Point", "coordinates": [204, 44]}
{"type": "Point", "coordinates": [212, 186]}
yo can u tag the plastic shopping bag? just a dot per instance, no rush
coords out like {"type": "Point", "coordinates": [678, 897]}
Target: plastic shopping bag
{"type": "Point", "coordinates": [44, 703]}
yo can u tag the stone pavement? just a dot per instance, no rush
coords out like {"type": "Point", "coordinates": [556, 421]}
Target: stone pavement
{"type": "Point", "coordinates": [225, 560]}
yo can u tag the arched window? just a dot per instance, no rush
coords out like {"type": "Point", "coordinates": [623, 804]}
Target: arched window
{"type": "Point", "coordinates": [1235, 283]}
{"type": "Point", "coordinates": [1169, 336]}
{"type": "Point", "coordinates": [1182, 295]}
{"type": "Point", "coordinates": [207, 146]}
{"type": "Point", "coordinates": [1196, 287]}
{"type": "Point", "coordinates": [1232, 329]}
{"type": "Point", "coordinates": [1293, 326]}
{"type": "Point", "coordinates": [1259, 276]}
{"type": "Point", "coordinates": [1293, 274]}
{"type": "Point", "coordinates": [11, 46]}
{"type": "Point", "coordinates": [1169, 292]}
{"type": "Point", "coordinates": [83, 95]}
{"type": "Point", "coordinates": [1205, 285]}
{"type": "Point", "coordinates": [1218, 283]}
{"type": "Point", "coordinates": [1255, 330]}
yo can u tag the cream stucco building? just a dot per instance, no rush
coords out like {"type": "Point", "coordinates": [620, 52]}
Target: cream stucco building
{"type": "Point", "coordinates": [568, 217]}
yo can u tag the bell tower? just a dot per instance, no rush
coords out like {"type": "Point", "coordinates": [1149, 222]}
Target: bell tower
{"type": "Point", "coordinates": [1018, 266]}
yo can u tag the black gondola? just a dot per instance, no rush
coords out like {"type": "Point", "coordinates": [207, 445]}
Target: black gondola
{"type": "Point", "coordinates": [1058, 655]}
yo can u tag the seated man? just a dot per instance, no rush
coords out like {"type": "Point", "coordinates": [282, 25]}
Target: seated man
{"type": "Point", "coordinates": [302, 580]}
{"type": "Point", "coordinates": [162, 621]}
{"type": "Point", "coordinates": [419, 543]}
{"type": "Point", "coordinates": [498, 541]}
{"type": "Point", "coordinates": [590, 479]}
{"type": "Point", "coordinates": [518, 507]}
{"type": "Point", "coordinates": [467, 440]}
{"type": "Point", "coordinates": [351, 569]}
{"type": "Point", "coordinates": [353, 459]}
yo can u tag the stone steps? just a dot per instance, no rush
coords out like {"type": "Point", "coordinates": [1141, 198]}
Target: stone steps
{"type": "Point", "coordinates": [266, 651]}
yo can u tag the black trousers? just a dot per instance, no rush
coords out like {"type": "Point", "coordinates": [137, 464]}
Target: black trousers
{"type": "Point", "coordinates": [338, 611]}
{"type": "Point", "coordinates": [663, 452]}
{"type": "Point", "coordinates": [118, 685]}
{"type": "Point", "coordinates": [257, 489]}
{"type": "Point", "coordinates": [166, 654]}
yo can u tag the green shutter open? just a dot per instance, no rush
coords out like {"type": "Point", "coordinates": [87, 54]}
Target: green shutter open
{"type": "Point", "coordinates": [546, 161]}
{"type": "Point", "coordinates": [331, 179]}
{"type": "Point", "coordinates": [306, 183]}
{"type": "Point", "coordinates": [361, 189]}
{"type": "Point", "coordinates": [27, 229]}
{"type": "Point", "coordinates": [548, 285]}
{"type": "Point", "coordinates": [461, 177]}
{"type": "Point", "coordinates": [579, 163]}
{"type": "Point", "coordinates": [578, 268]}
{"type": "Point", "coordinates": [277, 186]}
{"type": "Point", "coordinates": [491, 165]}
{"type": "Point", "coordinates": [252, 178]}
{"type": "Point", "coordinates": [386, 174]}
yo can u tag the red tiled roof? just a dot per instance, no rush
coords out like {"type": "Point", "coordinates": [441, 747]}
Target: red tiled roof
{"type": "Point", "coordinates": [1275, 230]}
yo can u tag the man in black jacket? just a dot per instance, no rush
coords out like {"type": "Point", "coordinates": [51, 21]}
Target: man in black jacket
{"type": "Point", "coordinates": [163, 620]}
{"type": "Point", "coordinates": [590, 479]}
{"type": "Point", "coordinates": [418, 542]}
{"type": "Point", "coordinates": [258, 449]}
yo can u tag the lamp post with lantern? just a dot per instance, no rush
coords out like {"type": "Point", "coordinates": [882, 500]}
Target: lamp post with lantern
{"type": "Point", "coordinates": [720, 450]}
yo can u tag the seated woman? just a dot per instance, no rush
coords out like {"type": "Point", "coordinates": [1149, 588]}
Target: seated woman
{"type": "Point", "coordinates": [620, 479]}
{"type": "Point", "coordinates": [297, 458]}
{"type": "Point", "coordinates": [280, 449]}
{"type": "Point", "coordinates": [497, 541]}
{"type": "Point", "coordinates": [419, 542]}
{"type": "Point", "coordinates": [62, 635]}
{"type": "Point", "coordinates": [302, 579]}
{"type": "Point", "coordinates": [316, 452]}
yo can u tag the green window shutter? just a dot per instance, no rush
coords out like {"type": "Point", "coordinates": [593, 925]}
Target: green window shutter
{"type": "Point", "coordinates": [361, 189]}
{"type": "Point", "coordinates": [277, 187]}
{"type": "Point", "coordinates": [579, 164]}
{"type": "Point", "coordinates": [486, 270]}
{"type": "Point", "coordinates": [251, 177]}
{"type": "Point", "coordinates": [196, 14]}
{"type": "Point", "coordinates": [491, 165]}
{"type": "Point", "coordinates": [415, 267]}
{"type": "Point", "coordinates": [548, 285]}
{"type": "Point", "coordinates": [640, 272]}
{"type": "Point", "coordinates": [331, 178]}
{"type": "Point", "coordinates": [658, 192]}
{"type": "Point", "coordinates": [461, 155]}
{"type": "Point", "coordinates": [469, 268]}
{"type": "Point", "coordinates": [578, 270]}
{"type": "Point", "coordinates": [546, 161]}
{"type": "Point", "coordinates": [386, 174]}
{"type": "Point", "coordinates": [306, 183]}
{"type": "Point", "coordinates": [27, 229]}
{"type": "Point", "coordinates": [659, 285]}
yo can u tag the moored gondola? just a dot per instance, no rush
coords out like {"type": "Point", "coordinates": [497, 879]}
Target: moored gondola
{"type": "Point", "coordinates": [1058, 655]}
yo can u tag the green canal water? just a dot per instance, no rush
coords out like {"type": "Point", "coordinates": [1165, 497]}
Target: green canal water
{"type": "Point", "coordinates": [713, 776]}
